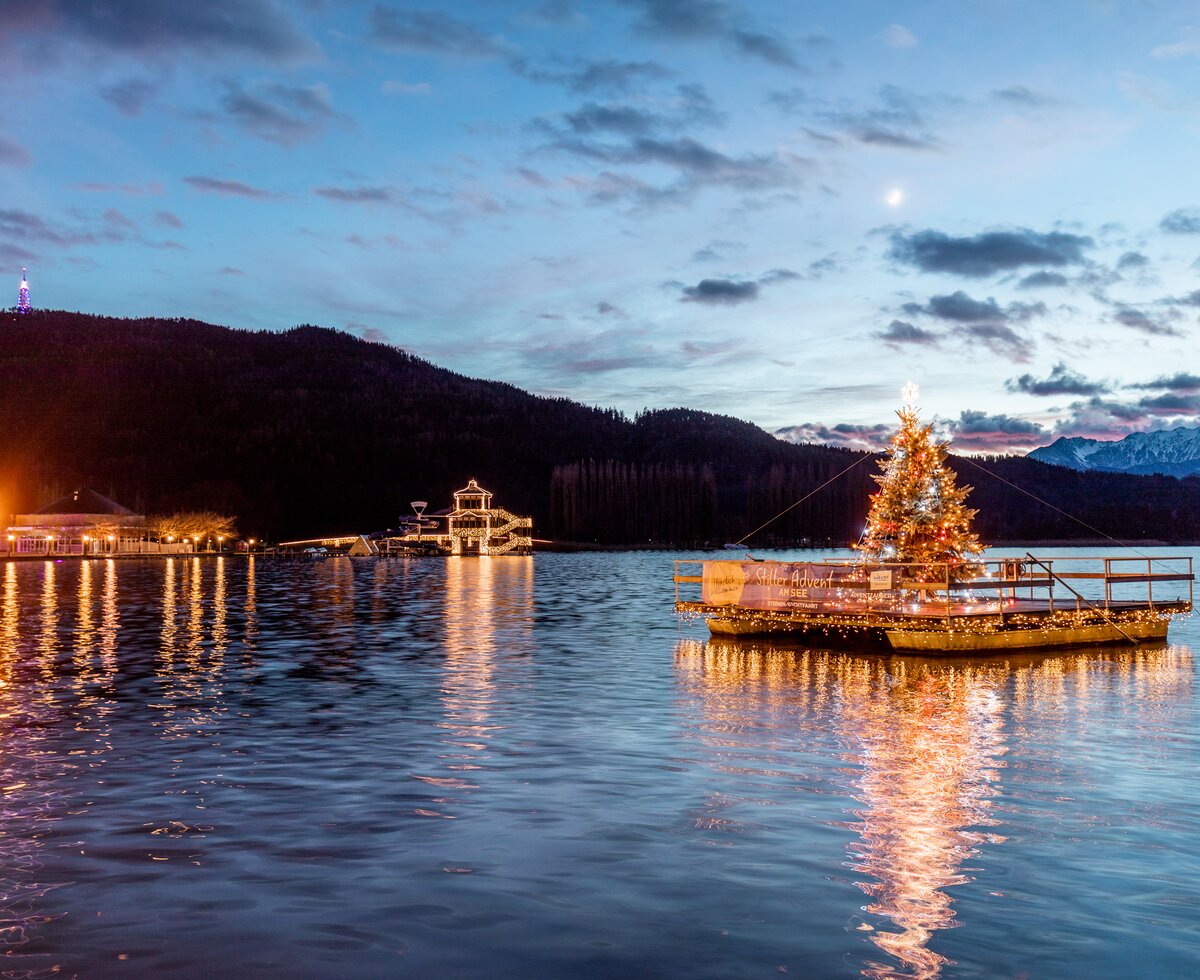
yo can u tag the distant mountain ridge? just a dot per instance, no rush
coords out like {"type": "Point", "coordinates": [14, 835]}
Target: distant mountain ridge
{"type": "Point", "coordinates": [1171, 452]}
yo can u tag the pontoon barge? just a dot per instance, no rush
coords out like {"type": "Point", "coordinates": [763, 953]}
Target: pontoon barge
{"type": "Point", "coordinates": [1010, 604]}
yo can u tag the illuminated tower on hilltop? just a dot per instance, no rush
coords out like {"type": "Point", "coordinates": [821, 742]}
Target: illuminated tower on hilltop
{"type": "Point", "coordinates": [23, 295]}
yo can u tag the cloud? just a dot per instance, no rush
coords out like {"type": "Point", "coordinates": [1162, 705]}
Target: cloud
{"type": "Point", "coordinates": [899, 36]}
{"type": "Point", "coordinates": [1001, 340]}
{"type": "Point", "coordinates": [1023, 97]}
{"type": "Point", "coordinates": [1042, 279]}
{"type": "Point", "coordinates": [1175, 382]}
{"type": "Point", "coordinates": [1135, 319]}
{"type": "Point", "coordinates": [1182, 221]}
{"type": "Point", "coordinates": [605, 308]}
{"type": "Point", "coordinates": [995, 433]}
{"type": "Point", "coordinates": [130, 96]}
{"type": "Point", "coordinates": [1188, 46]}
{"type": "Point", "coordinates": [896, 123]}
{"type": "Point", "coordinates": [725, 292]}
{"type": "Point", "coordinates": [255, 27]}
{"type": "Point", "coordinates": [1191, 299]}
{"type": "Point", "coordinates": [228, 270]}
{"type": "Point", "coordinates": [716, 250]}
{"type": "Point", "coordinates": [716, 19]}
{"type": "Point", "coordinates": [779, 275]}
{"type": "Point", "coordinates": [1060, 381]}
{"type": "Point", "coordinates": [429, 31]}
{"type": "Point", "coordinates": [901, 333]}
{"type": "Point", "coordinates": [698, 166]}
{"type": "Point", "coordinates": [167, 219]}
{"type": "Point", "coordinates": [690, 106]}
{"type": "Point", "coordinates": [1110, 419]}
{"type": "Point", "coordinates": [717, 352]}
{"type": "Point", "coordinates": [18, 225]}
{"type": "Point", "coordinates": [988, 252]}
{"type": "Point", "coordinates": [763, 46]}
{"type": "Point", "coordinates": [227, 188]}
{"type": "Point", "coordinates": [789, 100]}
{"type": "Point", "coordinates": [136, 190]}
{"type": "Point", "coordinates": [118, 219]}
{"type": "Point", "coordinates": [14, 154]}
{"type": "Point", "coordinates": [959, 307]}
{"type": "Point", "coordinates": [391, 87]}
{"type": "Point", "coordinates": [355, 195]}
{"type": "Point", "coordinates": [582, 76]}
{"type": "Point", "coordinates": [574, 354]}
{"type": "Point", "coordinates": [1132, 260]}
{"type": "Point", "coordinates": [281, 114]}
{"type": "Point", "coordinates": [871, 438]}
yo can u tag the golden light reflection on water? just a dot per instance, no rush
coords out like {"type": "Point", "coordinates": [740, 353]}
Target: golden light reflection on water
{"type": "Point", "coordinates": [485, 598]}
{"type": "Point", "coordinates": [926, 740]}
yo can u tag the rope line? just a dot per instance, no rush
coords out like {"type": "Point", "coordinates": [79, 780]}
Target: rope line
{"type": "Point", "coordinates": [1059, 510]}
{"type": "Point", "coordinates": [836, 476]}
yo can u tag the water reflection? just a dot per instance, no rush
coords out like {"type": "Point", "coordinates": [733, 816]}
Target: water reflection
{"type": "Point", "coordinates": [926, 740]}
{"type": "Point", "coordinates": [487, 613]}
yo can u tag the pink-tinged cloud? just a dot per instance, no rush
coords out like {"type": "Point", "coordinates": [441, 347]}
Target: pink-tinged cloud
{"type": "Point", "coordinates": [167, 219]}
{"type": "Point", "coordinates": [975, 431]}
{"type": "Point", "coordinates": [227, 188]}
{"type": "Point", "coordinates": [154, 187]}
{"type": "Point", "coordinates": [871, 438]}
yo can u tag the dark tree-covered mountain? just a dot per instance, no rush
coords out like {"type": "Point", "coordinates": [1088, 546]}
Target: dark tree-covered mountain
{"type": "Point", "coordinates": [313, 431]}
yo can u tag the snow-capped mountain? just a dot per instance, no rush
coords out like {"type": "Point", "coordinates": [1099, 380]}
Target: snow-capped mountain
{"type": "Point", "coordinates": [1175, 452]}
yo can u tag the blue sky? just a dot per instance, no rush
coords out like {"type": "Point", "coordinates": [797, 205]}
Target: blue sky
{"type": "Point", "coordinates": [773, 210]}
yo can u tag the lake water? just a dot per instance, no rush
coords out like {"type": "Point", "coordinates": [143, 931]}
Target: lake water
{"type": "Point", "coordinates": [526, 767]}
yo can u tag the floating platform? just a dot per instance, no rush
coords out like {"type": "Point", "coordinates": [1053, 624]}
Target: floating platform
{"type": "Point", "coordinates": [1009, 604]}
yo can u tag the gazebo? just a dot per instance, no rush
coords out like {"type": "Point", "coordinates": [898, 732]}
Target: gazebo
{"type": "Point", "coordinates": [81, 523]}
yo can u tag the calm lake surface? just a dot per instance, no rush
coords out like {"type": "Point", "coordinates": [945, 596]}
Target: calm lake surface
{"type": "Point", "coordinates": [526, 767]}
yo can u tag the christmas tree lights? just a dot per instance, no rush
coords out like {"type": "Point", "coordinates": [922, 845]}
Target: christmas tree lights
{"type": "Point", "coordinates": [918, 515]}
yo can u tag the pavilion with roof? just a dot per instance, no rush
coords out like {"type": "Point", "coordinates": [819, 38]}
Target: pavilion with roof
{"type": "Point", "coordinates": [81, 523]}
{"type": "Point", "coordinates": [475, 527]}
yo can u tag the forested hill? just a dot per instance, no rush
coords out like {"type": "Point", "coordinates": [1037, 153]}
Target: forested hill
{"type": "Point", "coordinates": [313, 431]}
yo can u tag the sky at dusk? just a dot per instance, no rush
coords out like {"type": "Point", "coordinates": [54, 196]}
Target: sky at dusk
{"type": "Point", "coordinates": [780, 211]}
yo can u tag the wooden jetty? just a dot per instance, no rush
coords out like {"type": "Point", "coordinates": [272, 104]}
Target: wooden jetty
{"type": "Point", "coordinates": [1006, 604]}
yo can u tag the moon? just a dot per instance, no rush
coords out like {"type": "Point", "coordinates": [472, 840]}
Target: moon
{"type": "Point", "coordinates": [894, 198]}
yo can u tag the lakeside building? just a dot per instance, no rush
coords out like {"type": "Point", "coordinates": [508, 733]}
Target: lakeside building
{"type": "Point", "coordinates": [475, 527]}
{"type": "Point", "coordinates": [81, 523]}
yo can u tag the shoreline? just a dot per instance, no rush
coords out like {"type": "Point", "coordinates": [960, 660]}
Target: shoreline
{"type": "Point", "coordinates": [582, 547]}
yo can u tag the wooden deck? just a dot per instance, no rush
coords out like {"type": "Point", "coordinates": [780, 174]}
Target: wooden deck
{"type": "Point", "coordinates": [1007, 607]}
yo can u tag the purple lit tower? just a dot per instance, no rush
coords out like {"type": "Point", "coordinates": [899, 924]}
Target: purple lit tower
{"type": "Point", "coordinates": [23, 296]}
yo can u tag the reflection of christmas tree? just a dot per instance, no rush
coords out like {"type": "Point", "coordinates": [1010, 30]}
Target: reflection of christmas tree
{"type": "Point", "coordinates": [918, 514]}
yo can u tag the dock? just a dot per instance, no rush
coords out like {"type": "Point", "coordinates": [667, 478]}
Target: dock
{"type": "Point", "coordinates": [1006, 604]}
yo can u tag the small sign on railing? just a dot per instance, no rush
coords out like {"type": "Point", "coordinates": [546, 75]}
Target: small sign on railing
{"type": "Point", "coordinates": [883, 580]}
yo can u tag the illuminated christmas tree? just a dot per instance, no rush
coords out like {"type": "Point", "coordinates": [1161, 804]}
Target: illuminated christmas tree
{"type": "Point", "coordinates": [918, 515]}
{"type": "Point", "coordinates": [23, 295]}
